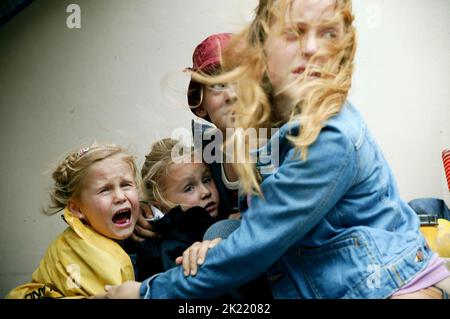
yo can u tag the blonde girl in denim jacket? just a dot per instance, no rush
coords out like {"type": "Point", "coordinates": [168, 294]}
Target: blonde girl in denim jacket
{"type": "Point", "coordinates": [328, 220]}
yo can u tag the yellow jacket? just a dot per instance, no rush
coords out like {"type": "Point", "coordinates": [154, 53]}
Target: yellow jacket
{"type": "Point", "coordinates": [78, 264]}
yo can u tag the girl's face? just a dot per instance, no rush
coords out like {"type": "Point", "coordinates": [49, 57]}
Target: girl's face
{"type": "Point", "coordinates": [190, 185]}
{"type": "Point", "coordinates": [216, 103]}
{"type": "Point", "coordinates": [109, 199]}
{"type": "Point", "coordinates": [290, 46]}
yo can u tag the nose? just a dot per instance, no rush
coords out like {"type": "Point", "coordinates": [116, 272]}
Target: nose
{"type": "Point", "coordinates": [230, 95]}
{"type": "Point", "coordinates": [309, 45]}
{"type": "Point", "coordinates": [204, 192]}
{"type": "Point", "coordinates": [119, 196]}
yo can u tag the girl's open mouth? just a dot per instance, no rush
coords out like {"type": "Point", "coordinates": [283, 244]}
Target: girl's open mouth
{"type": "Point", "coordinates": [122, 217]}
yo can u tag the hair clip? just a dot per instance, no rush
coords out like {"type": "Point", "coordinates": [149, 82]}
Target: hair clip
{"type": "Point", "coordinates": [82, 152]}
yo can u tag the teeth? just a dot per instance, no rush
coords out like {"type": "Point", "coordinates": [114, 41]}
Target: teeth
{"type": "Point", "coordinates": [122, 216]}
{"type": "Point", "coordinates": [125, 210]}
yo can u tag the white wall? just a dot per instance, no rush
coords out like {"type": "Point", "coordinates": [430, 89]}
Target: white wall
{"type": "Point", "coordinates": [402, 85]}
{"type": "Point", "coordinates": [118, 79]}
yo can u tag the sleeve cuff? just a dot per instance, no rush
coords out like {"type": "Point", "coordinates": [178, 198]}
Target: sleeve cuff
{"type": "Point", "coordinates": [144, 290]}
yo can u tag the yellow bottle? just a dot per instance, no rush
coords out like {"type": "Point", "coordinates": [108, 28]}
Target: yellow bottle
{"type": "Point", "coordinates": [443, 238]}
{"type": "Point", "coordinates": [429, 228]}
{"type": "Point", "coordinates": [437, 234]}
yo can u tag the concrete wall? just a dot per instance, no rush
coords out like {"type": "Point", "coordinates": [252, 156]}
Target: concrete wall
{"type": "Point", "coordinates": [118, 79]}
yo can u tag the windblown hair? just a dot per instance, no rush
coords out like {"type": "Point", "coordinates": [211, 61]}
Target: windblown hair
{"type": "Point", "coordinates": [69, 176]}
{"type": "Point", "coordinates": [154, 171]}
{"type": "Point", "coordinates": [317, 99]}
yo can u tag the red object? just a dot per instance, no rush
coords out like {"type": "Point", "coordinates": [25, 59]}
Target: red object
{"type": "Point", "coordinates": [446, 160]}
{"type": "Point", "coordinates": [206, 58]}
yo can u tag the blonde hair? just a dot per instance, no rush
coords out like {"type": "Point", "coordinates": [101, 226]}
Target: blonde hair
{"type": "Point", "coordinates": [154, 171]}
{"type": "Point", "coordinates": [317, 100]}
{"type": "Point", "coordinates": [69, 176]}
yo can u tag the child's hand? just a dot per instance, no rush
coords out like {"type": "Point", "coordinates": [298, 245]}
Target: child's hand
{"type": "Point", "coordinates": [127, 290]}
{"type": "Point", "coordinates": [195, 255]}
{"type": "Point", "coordinates": [143, 228]}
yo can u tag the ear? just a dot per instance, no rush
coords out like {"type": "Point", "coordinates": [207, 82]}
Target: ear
{"type": "Point", "coordinates": [75, 209]}
{"type": "Point", "coordinates": [200, 111]}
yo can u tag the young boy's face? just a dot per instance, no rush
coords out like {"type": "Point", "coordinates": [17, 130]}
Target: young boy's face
{"type": "Point", "coordinates": [190, 185]}
{"type": "Point", "coordinates": [109, 199]}
{"type": "Point", "coordinates": [216, 103]}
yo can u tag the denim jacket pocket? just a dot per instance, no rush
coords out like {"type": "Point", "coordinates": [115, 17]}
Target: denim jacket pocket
{"type": "Point", "coordinates": [334, 269]}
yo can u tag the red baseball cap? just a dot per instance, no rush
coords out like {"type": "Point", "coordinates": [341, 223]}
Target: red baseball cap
{"type": "Point", "coordinates": [206, 59]}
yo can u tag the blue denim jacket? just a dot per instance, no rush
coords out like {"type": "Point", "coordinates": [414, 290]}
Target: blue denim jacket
{"type": "Point", "coordinates": [333, 226]}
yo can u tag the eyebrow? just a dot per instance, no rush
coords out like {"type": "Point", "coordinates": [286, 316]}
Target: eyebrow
{"type": "Point", "coordinates": [107, 181]}
{"type": "Point", "coordinates": [325, 23]}
{"type": "Point", "coordinates": [128, 180]}
{"type": "Point", "coordinates": [189, 176]}
{"type": "Point", "coordinates": [185, 179]}
{"type": "Point", "coordinates": [99, 185]}
{"type": "Point", "coordinates": [205, 170]}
